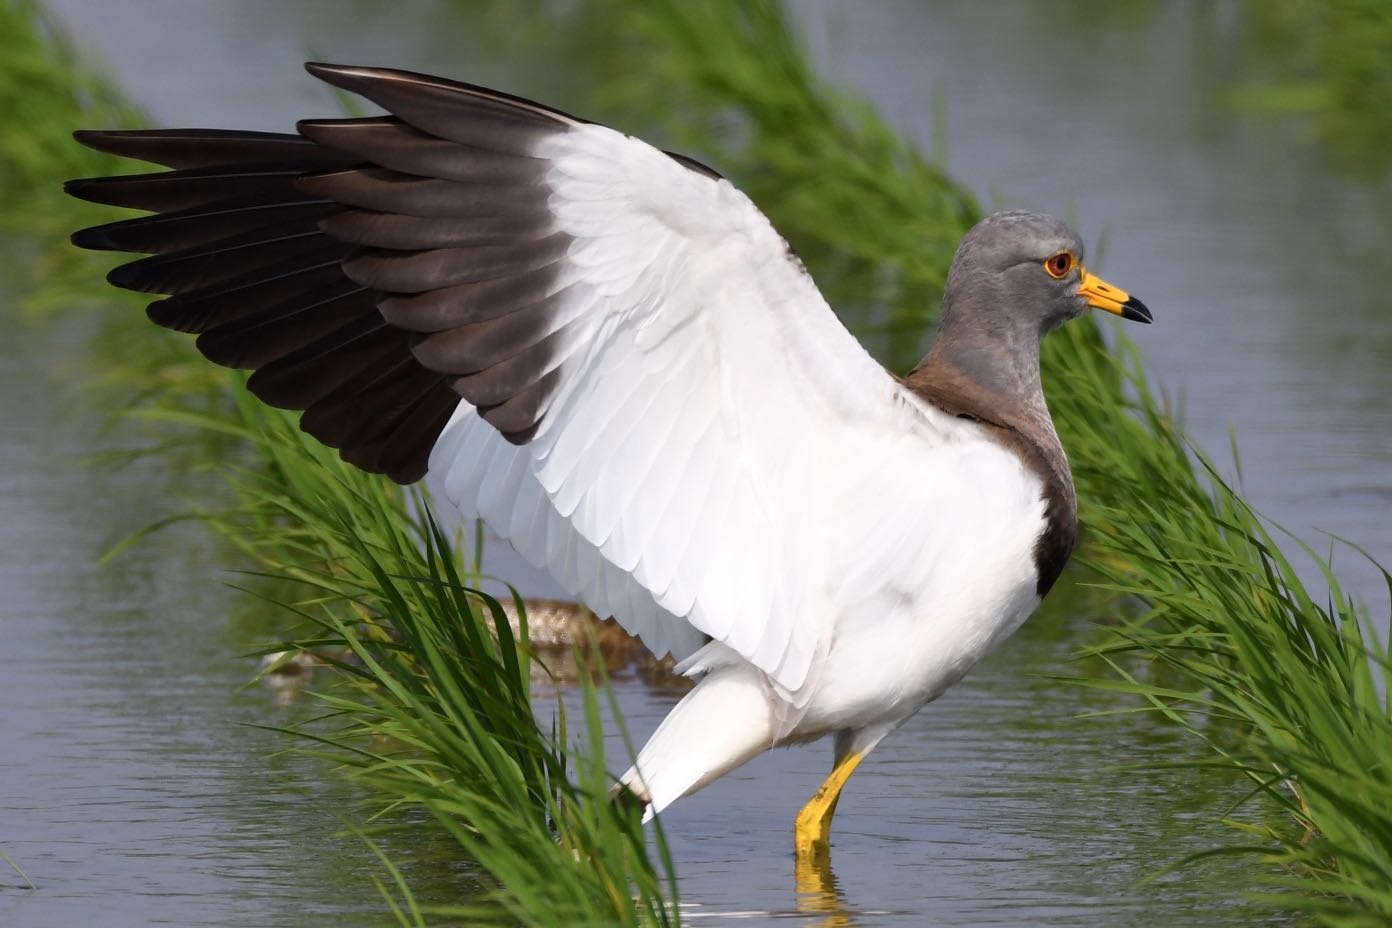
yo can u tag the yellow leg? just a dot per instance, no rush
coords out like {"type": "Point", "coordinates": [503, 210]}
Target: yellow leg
{"type": "Point", "coordinates": [812, 834]}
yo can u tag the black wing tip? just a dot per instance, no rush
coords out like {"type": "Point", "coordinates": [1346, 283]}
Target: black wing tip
{"type": "Point", "coordinates": [360, 79]}
{"type": "Point", "coordinates": [325, 131]}
{"type": "Point", "coordinates": [166, 313]}
{"type": "Point", "coordinates": [351, 76]}
{"type": "Point", "coordinates": [127, 277]}
{"type": "Point", "coordinates": [87, 187]}
{"type": "Point", "coordinates": [340, 74]}
{"type": "Point", "coordinates": [346, 122]}
{"type": "Point", "coordinates": [111, 141]}
{"type": "Point", "coordinates": [322, 69]}
{"type": "Point", "coordinates": [326, 71]}
{"type": "Point", "coordinates": [408, 475]}
{"type": "Point", "coordinates": [92, 189]}
{"type": "Point", "coordinates": [93, 238]}
{"type": "Point", "coordinates": [124, 143]}
{"type": "Point", "coordinates": [91, 138]}
{"type": "Point", "coordinates": [370, 459]}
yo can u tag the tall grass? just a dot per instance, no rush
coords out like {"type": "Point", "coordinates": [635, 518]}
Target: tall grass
{"type": "Point", "coordinates": [1332, 58]}
{"type": "Point", "coordinates": [1243, 644]}
{"type": "Point", "coordinates": [1229, 644]}
{"type": "Point", "coordinates": [436, 710]}
{"type": "Point", "coordinates": [45, 88]}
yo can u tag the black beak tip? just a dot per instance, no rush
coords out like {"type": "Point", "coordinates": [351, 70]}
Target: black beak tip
{"type": "Point", "coordinates": [1136, 311]}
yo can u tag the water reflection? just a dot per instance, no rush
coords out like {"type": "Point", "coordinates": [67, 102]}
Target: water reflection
{"type": "Point", "coordinates": [818, 893]}
{"type": "Point", "coordinates": [288, 674]}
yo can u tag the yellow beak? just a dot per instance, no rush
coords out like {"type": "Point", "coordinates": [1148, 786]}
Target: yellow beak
{"type": "Point", "coordinates": [1102, 295]}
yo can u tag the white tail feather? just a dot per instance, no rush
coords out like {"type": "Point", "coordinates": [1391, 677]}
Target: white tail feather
{"type": "Point", "coordinates": [726, 720]}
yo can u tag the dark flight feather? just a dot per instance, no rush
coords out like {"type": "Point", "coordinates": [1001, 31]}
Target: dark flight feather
{"type": "Point", "coordinates": [369, 271]}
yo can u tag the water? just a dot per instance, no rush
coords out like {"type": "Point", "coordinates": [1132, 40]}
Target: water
{"type": "Point", "coordinates": [996, 806]}
{"type": "Point", "coordinates": [131, 786]}
{"type": "Point", "coordinates": [127, 786]}
{"type": "Point", "coordinates": [131, 792]}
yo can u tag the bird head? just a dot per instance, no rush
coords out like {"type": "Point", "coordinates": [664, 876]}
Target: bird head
{"type": "Point", "coordinates": [1030, 265]}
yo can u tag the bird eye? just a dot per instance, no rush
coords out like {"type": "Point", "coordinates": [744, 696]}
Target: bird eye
{"type": "Point", "coordinates": [1060, 264]}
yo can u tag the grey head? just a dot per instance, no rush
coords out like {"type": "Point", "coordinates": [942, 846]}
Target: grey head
{"type": "Point", "coordinates": [1017, 275]}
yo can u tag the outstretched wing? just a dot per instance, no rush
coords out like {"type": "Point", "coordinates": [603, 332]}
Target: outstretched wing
{"type": "Point", "coordinates": [658, 405]}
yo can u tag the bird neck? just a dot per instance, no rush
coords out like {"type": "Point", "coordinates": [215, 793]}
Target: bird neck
{"type": "Point", "coordinates": [986, 357]}
{"type": "Point", "coordinates": [984, 366]}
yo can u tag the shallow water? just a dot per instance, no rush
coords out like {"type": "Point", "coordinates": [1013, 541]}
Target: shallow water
{"type": "Point", "coordinates": [996, 806]}
{"type": "Point", "coordinates": [130, 790]}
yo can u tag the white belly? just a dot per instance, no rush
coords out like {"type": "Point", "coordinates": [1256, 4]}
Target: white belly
{"type": "Point", "coordinates": [949, 598]}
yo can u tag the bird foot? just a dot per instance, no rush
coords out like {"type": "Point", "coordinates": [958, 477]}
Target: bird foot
{"type": "Point", "coordinates": [812, 831]}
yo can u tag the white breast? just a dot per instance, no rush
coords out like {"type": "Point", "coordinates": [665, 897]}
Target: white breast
{"type": "Point", "coordinates": [945, 589]}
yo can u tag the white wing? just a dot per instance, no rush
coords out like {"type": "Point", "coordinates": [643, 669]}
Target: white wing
{"type": "Point", "coordinates": [660, 407]}
{"type": "Point", "coordinates": [709, 406]}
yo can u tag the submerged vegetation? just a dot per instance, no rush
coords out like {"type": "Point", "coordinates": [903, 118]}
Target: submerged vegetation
{"type": "Point", "coordinates": [1225, 640]}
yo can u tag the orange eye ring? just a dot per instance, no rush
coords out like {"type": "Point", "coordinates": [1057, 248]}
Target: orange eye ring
{"type": "Point", "coordinates": [1060, 264]}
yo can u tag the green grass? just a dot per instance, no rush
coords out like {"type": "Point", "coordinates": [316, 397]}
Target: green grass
{"type": "Point", "coordinates": [46, 90]}
{"type": "Point", "coordinates": [1232, 642]}
{"type": "Point", "coordinates": [434, 711]}
{"type": "Point", "coordinates": [1227, 642]}
{"type": "Point", "coordinates": [1332, 58]}
{"type": "Point", "coordinates": [10, 862]}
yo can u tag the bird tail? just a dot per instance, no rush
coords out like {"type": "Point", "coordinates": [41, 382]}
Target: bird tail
{"type": "Point", "coordinates": [725, 721]}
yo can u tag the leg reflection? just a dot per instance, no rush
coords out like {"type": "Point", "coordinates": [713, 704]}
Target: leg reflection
{"type": "Point", "coordinates": [817, 892]}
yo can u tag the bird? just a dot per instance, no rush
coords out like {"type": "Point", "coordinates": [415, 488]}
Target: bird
{"type": "Point", "coordinates": [607, 353]}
